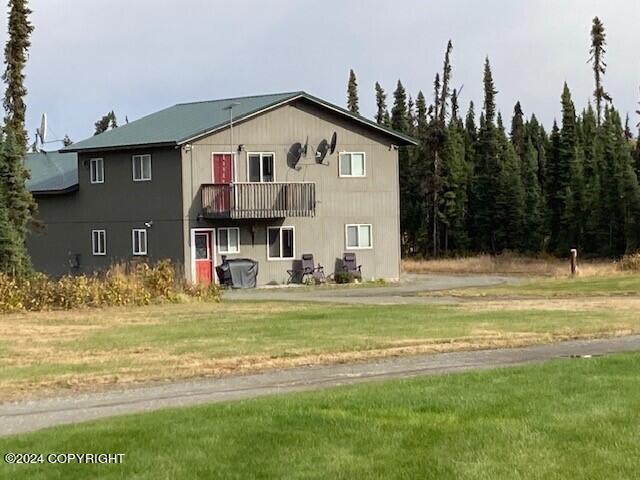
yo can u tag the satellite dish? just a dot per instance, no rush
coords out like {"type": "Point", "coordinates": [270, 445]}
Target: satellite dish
{"type": "Point", "coordinates": [42, 131]}
{"type": "Point", "coordinates": [334, 141]}
{"type": "Point", "coordinates": [322, 150]}
{"type": "Point", "coordinates": [294, 154]}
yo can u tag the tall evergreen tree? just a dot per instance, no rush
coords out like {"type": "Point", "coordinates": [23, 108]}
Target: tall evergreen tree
{"type": "Point", "coordinates": [17, 203]}
{"type": "Point", "coordinates": [382, 113]}
{"type": "Point", "coordinates": [599, 66]}
{"type": "Point", "coordinates": [532, 221]}
{"type": "Point", "coordinates": [446, 79]}
{"type": "Point", "coordinates": [517, 130]}
{"type": "Point", "coordinates": [15, 59]}
{"type": "Point", "coordinates": [352, 93]}
{"type": "Point", "coordinates": [487, 172]}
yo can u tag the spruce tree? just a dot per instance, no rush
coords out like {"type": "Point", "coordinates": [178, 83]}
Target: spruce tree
{"type": "Point", "coordinates": [17, 202]}
{"type": "Point", "coordinates": [599, 66]}
{"type": "Point", "coordinates": [487, 173]}
{"type": "Point", "coordinates": [15, 59]}
{"type": "Point", "coordinates": [517, 130]}
{"type": "Point", "coordinates": [446, 79]}
{"type": "Point", "coordinates": [455, 178]}
{"type": "Point", "coordinates": [382, 113]}
{"type": "Point", "coordinates": [106, 122]}
{"type": "Point", "coordinates": [532, 224]}
{"type": "Point", "coordinates": [399, 117]}
{"type": "Point", "coordinates": [352, 93]}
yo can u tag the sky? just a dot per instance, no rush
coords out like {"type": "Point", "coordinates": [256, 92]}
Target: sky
{"type": "Point", "coordinates": [139, 56]}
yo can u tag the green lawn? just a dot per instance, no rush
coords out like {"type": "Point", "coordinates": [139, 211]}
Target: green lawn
{"type": "Point", "coordinates": [558, 287]}
{"type": "Point", "coordinates": [569, 419]}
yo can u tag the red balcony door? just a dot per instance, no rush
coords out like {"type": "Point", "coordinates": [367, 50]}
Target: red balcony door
{"type": "Point", "coordinates": [204, 257]}
{"type": "Point", "coordinates": [222, 173]}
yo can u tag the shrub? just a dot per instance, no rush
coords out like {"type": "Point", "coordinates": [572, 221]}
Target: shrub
{"type": "Point", "coordinates": [140, 285]}
{"type": "Point", "coordinates": [630, 262]}
{"type": "Point", "coordinates": [344, 277]}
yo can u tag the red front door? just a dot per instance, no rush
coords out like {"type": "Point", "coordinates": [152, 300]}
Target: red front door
{"type": "Point", "coordinates": [222, 174]}
{"type": "Point", "coordinates": [204, 257]}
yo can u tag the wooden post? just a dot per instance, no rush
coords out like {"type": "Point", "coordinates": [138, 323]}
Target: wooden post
{"type": "Point", "coordinates": [574, 262]}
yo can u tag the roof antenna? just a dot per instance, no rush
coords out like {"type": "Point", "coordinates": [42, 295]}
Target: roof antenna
{"type": "Point", "coordinates": [230, 108]}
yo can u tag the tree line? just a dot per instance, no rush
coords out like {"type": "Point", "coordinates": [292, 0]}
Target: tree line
{"type": "Point", "coordinates": [476, 183]}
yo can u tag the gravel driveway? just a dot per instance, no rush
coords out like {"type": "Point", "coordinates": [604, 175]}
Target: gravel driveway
{"type": "Point", "coordinates": [401, 292]}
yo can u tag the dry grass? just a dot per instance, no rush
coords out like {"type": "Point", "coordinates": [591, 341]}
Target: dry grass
{"type": "Point", "coordinates": [48, 352]}
{"type": "Point", "coordinates": [510, 264]}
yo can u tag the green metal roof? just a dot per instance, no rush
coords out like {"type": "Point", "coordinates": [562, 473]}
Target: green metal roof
{"type": "Point", "coordinates": [185, 121]}
{"type": "Point", "coordinates": [52, 172]}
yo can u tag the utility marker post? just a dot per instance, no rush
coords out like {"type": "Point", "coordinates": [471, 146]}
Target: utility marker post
{"type": "Point", "coordinates": [574, 262]}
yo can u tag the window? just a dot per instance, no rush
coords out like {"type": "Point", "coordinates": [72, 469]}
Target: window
{"type": "Point", "coordinates": [352, 164]}
{"type": "Point", "coordinates": [260, 167]}
{"type": "Point", "coordinates": [141, 168]}
{"type": "Point", "coordinates": [280, 243]}
{"type": "Point", "coordinates": [229, 240]}
{"type": "Point", "coordinates": [96, 170]}
{"type": "Point", "coordinates": [139, 241]}
{"type": "Point", "coordinates": [358, 236]}
{"type": "Point", "coordinates": [99, 242]}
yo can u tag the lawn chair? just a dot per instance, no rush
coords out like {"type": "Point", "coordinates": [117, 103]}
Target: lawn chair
{"type": "Point", "coordinates": [350, 265]}
{"type": "Point", "coordinates": [306, 268]}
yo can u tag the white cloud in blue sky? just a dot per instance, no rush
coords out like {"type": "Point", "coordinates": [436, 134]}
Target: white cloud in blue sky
{"type": "Point", "coordinates": [135, 57]}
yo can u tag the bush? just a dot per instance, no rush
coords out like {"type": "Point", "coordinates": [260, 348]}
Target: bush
{"type": "Point", "coordinates": [344, 277]}
{"type": "Point", "coordinates": [630, 262]}
{"type": "Point", "coordinates": [141, 285]}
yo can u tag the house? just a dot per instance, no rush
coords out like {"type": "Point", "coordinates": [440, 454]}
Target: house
{"type": "Point", "coordinates": [251, 177]}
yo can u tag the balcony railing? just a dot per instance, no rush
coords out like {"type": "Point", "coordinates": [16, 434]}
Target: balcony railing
{"type": "Point", "coordinates": [259, 200]}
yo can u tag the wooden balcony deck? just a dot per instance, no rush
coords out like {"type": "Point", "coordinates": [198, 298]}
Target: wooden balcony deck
{"type": "Point", "coordinates": [258, 200]}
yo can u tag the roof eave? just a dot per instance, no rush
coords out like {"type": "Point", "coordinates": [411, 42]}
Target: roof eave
{"type": "Point", "coordinates": [70, 148]}
{"type": "Point", "coordinates": [61, 191]}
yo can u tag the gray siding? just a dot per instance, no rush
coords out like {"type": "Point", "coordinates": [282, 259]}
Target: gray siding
{"type": "Point", "coordinates": [117, 206]}
{"type": "Point", "coordinates": [373, 199]}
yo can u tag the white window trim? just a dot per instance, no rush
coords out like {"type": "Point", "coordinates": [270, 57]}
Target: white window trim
{"type": "Point", "coordinates": [93, 165]}
{"type": "Point", "coordinates": [346, 235]}
{"type": "Point", "coordinates": [94, 250]}
{"type": "Point", "coordinates": [133, 167]}
{"type": "Point", "coordinates": [228, 252]}
{"type": "Point", "coordinates": [283, 227]}
{"type": "Point", "coordinates": [233, 174]}
{"type": "Point", "coordinates": [262, 166]}
{"type": "Point", "coordinates": [192, 246]}
{"type": "Point", "coordinates": [134, 232]}
{"type": "Point", "coordinates": [364, 164]}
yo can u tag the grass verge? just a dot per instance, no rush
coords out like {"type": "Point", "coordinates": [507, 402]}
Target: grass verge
{"type": "Point", "coordinates": [511, 264]}
{"type": "Point", "coordinates": [49, 352]}
{"type": "Point", "coordinates": [563, 419]}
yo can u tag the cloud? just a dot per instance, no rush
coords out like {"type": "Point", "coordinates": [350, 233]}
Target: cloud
{"type": "Point", "coordinates": [139, 56]}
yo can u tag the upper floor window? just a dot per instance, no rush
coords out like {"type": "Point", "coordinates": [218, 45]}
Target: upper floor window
{"type": "Point", "coordinates": [96, 170]}
{"type": "Point", "coordinates": [280, 243]}
{"type": "Point", "coordinates": [229, 240]}
{"type": "Point", "coordinates": [358, 236]}
{"type": "Point", "coordinates": [99, 242]}
{"type": "Point", "coordinates": [141, 168]}
{"type": "Point", "coordinates": [352, 164]}
{"type": "Point", "coordinates": [139, 240]}
{"type": "Point", "coordinates": [260, 167]}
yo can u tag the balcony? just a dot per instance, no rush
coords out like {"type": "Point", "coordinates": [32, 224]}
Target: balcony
{"type": "Point", "coordinates": [258, 200]}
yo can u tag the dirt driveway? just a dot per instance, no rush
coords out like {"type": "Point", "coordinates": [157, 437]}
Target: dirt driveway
{"type": "Point", "coordinates": [403, 292]}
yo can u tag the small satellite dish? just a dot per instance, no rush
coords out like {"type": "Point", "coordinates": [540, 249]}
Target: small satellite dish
{"type": "Point", "coordinates": [322, 150]}
{"type": "Point", "coordinates": [42, 131]}
{"type": "Point", "coordinates": [294, 154]}
{"type": "Point", "coordinates": [334, 141]}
